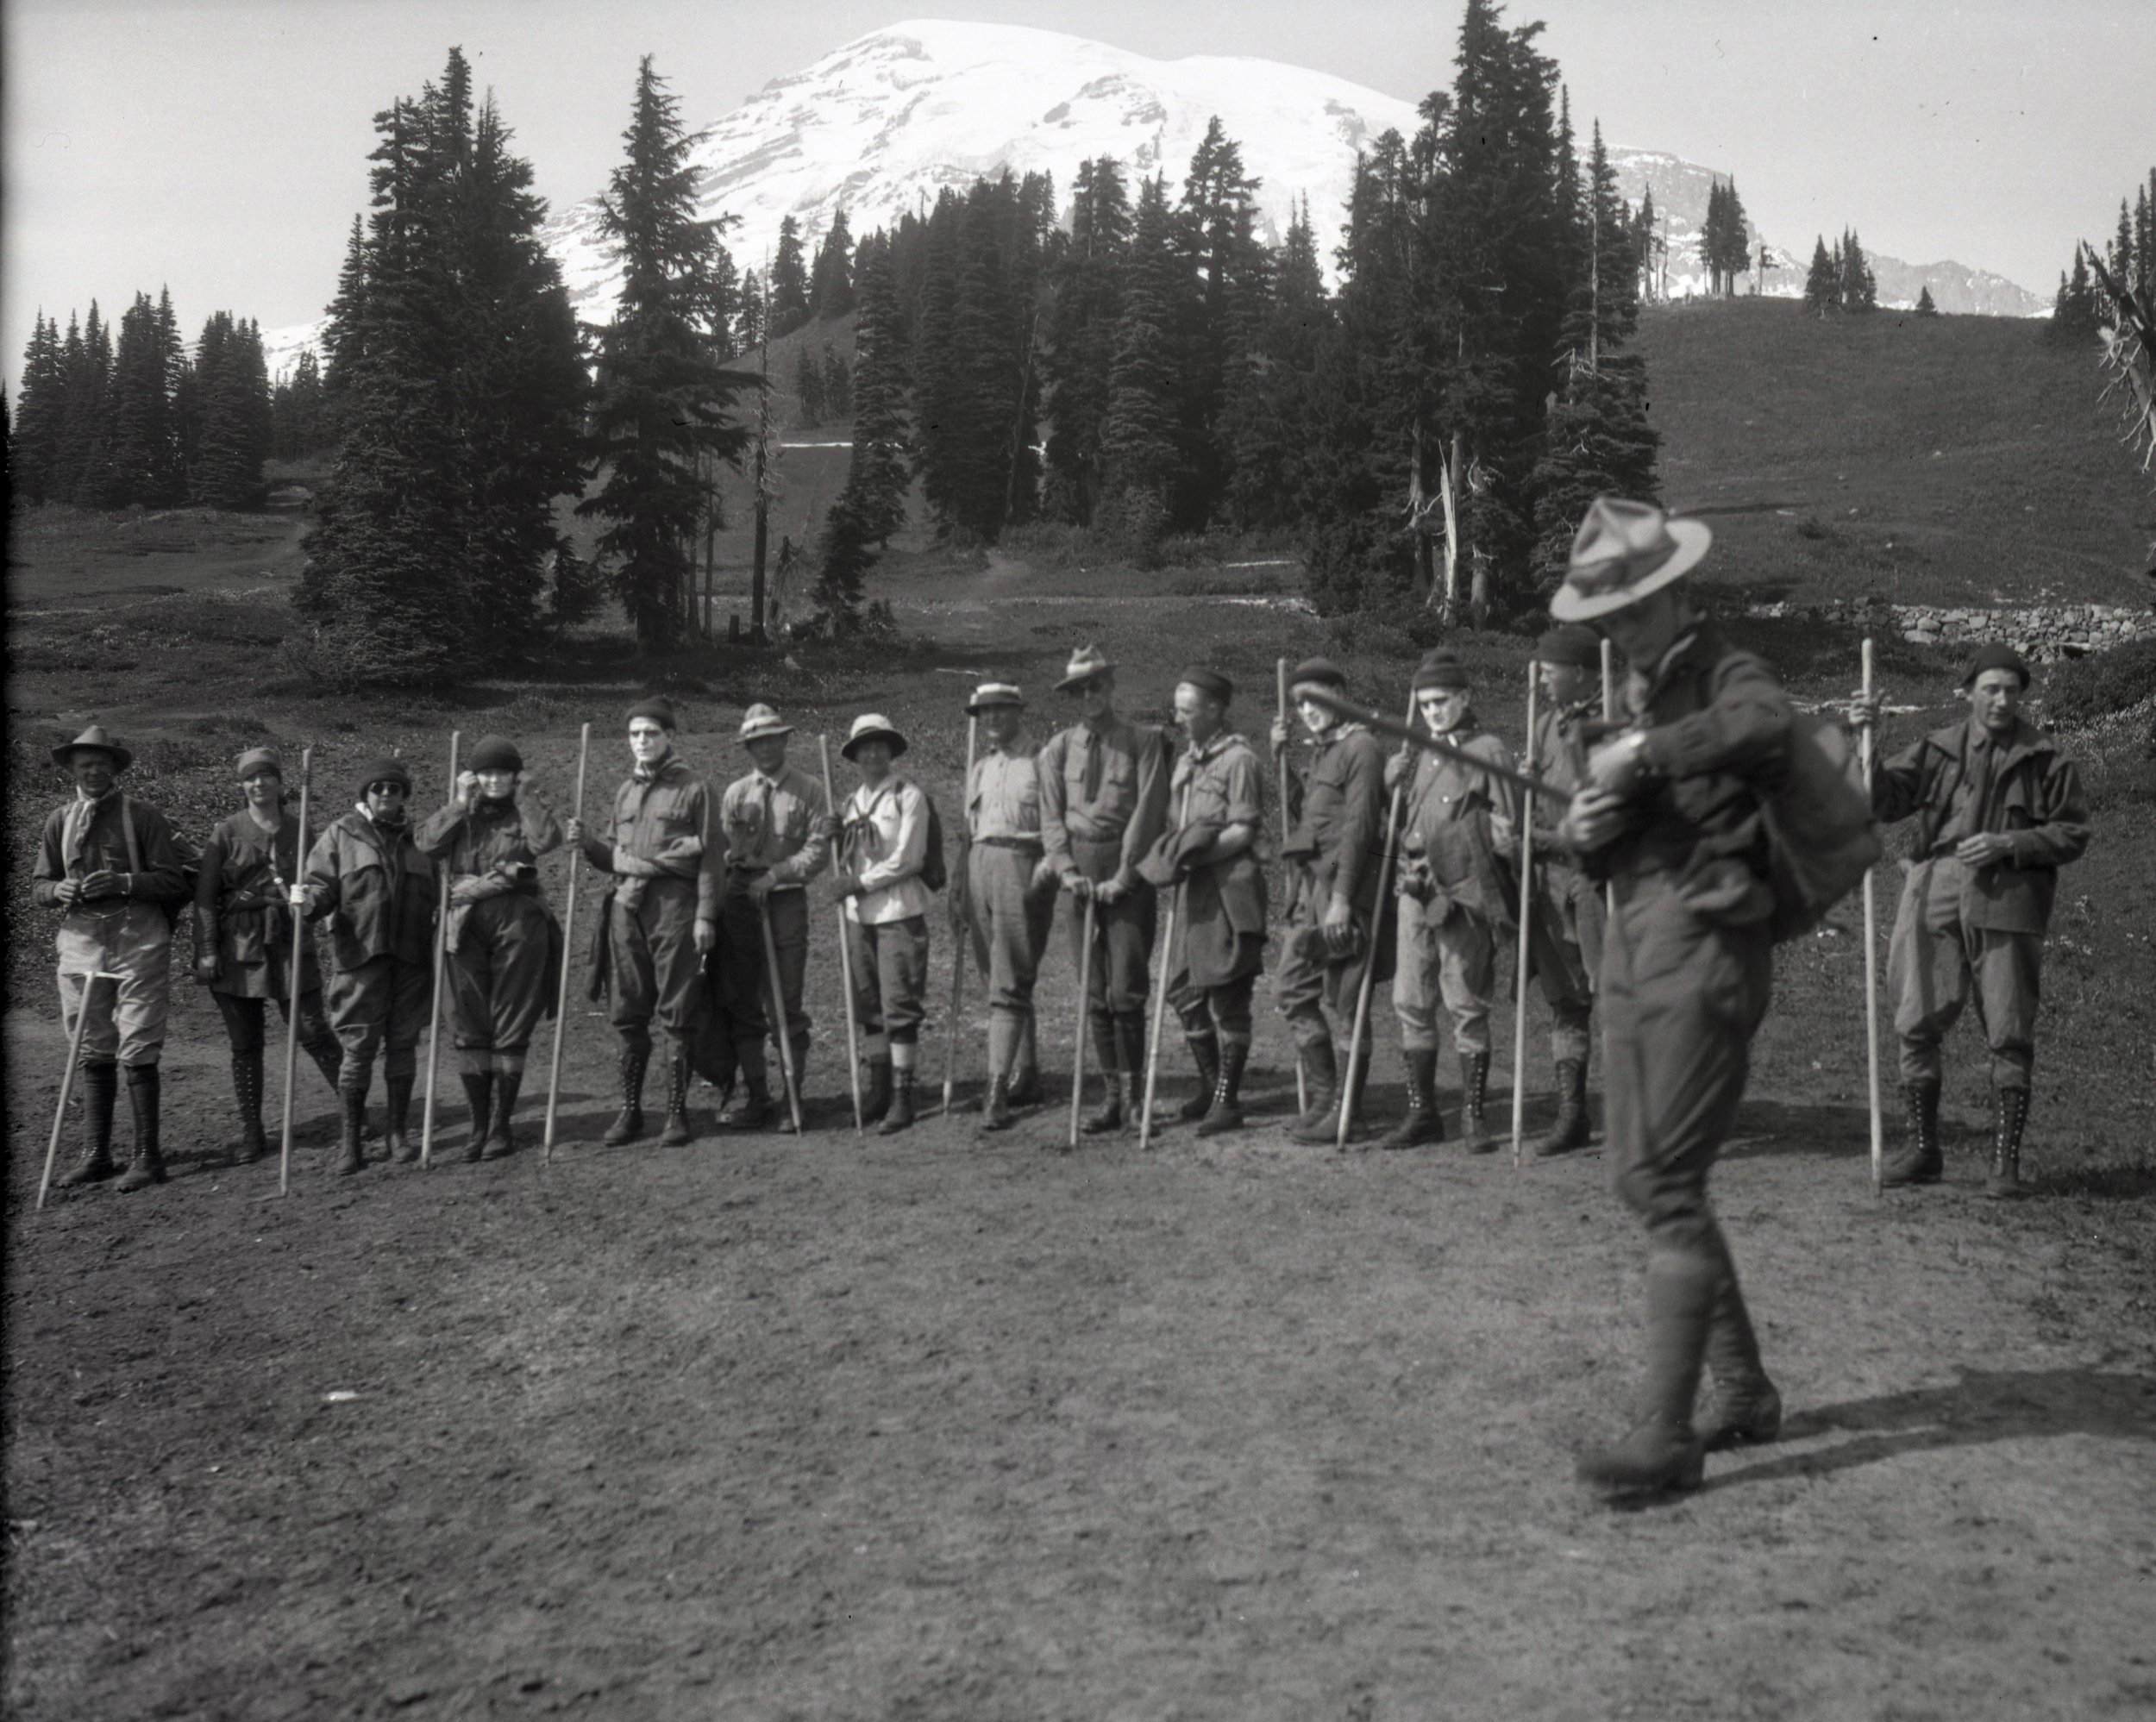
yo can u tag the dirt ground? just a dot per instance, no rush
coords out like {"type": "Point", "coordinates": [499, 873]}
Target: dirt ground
{"type": "Point", "coordinates": [945, 1425]}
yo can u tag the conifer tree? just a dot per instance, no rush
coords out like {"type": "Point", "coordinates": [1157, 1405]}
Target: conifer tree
{"type": "Point", "coordinates": [145, 442]}
{"type": "Point", "coordinates": [84, 464]}
{"type": "Point", "coordinates": [838, 385]}
{"type": "Point", "coordinates": [1924, 305]}
{"type": "Point", "coordinates": [788, 292]}
{"type": "Point", "coordinates": [872, 504]}
{"type": "Point", "coordinates": [299, 417]}
{"type": "Point", "coordinates": [1138, 450]}
{"type": "Point", "coordinates": [1822, 283]}
{"type": "Point", "coordinates": [2075, 315]}
{"type": "Point", "coordinates": [808, 388]}
{"type": "Point", "coordinates": [666, 401]}
{"type": "Point", "coordinates": [33, 449]}
{"type": "Point", "coordinates": [1224, 307]}
{"type": "Point", "coordinates": [831, 292]}
{"type": "Point", "coordinates": [1078, 338]}
{"type": "Point", "coordinates": [1859, 289]}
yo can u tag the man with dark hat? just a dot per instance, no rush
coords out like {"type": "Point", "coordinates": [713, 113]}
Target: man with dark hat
{"type": "Point", "coordinates": [376, 887]}
{"type": "Point", "coordinates": [666, 851]}
{"type": "Point", "coordinates": [1218, 794]}
{"type": "Point", "coordinates": [1104, 802]}
{"type": "Point", "coordinates": [1999, 810]}
{"type": "Point", "coordinates": [1334, 912]}
{"type": "Point", "coordinates": [117, 872]}
{"type": "Point", "coordinates": [1671, 814]}
{"type": "Point", "coordinates": [1011, 893]}
{"type": "Point", "coordinates": [505, 946]}
{"type": "Point", "coordinates": [772, 819]}
{"type": "Point", "coordinates": [885, 843]}
{"type": "Point", "coordinates": [1564, 943]}
{"type": "Point", "coordinates": [243, 939]}
{"type": "Point", "coordinates": [1456, 907]}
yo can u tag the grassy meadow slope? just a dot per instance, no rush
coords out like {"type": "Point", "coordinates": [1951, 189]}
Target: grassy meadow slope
{"type": "Point", "coordinates": [1935, 459]}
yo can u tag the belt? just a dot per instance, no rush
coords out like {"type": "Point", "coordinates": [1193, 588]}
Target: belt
{"type": "Point", "coordinates": [1031, 846]}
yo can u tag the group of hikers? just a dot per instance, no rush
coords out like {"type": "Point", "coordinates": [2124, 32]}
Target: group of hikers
{"type": "Point", "coordinates": [1638, 846]}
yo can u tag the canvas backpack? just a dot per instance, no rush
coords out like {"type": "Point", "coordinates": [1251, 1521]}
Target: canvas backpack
{"type": "Point", "coordinates": [933, 873]}
{"type": "Point", "coordinates": [1821, 836]}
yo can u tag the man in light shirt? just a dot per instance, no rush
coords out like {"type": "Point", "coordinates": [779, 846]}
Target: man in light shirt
{"type": "Point", "coordinates": [1010, 894]}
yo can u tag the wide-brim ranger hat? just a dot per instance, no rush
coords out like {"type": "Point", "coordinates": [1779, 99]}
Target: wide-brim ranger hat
{"type": "Point", "coordinates": [387, 769]}
{"type": "Point", "coordinates": [873, 726]}
{"type": "Point", "coordinates": [1087, 663]}
{"type": "Point", "coordinates": [495, 753]}
{"type": "Point", "coordinates": [994, 693]}
{"type": "Point", "coordinates": [94, 736]}
{"type": "Point", "coordinates": [760, 720]}
{"type": "Point", "coordinates": [1624, 551]}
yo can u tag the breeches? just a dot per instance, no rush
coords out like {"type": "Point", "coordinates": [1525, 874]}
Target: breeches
{"type": "Point", "coordinates": [890, 977]}
{"type": "Point", "coordinates": [1565, 948]}
{"type": "Point", "coordinates": [1307, 985]}
{"type": "Point", "coordinates": [1123, 950]}
{"type": "Point", "coordinates": [1222, 1010]}
{"type": "Point", "coordinates": [497, 975]}
{"type": "Point", "coordinates": [744, 988]}
{"type": "Point", "coordinates": [1935, 961]}
{"type": "Point", "coordinates": [655, 970]}
{"type": "Point", "coordinates": [1681, 1000]}
{"type": "Point", "coordinates": [381, 1004]}
{"type": "Point", "coordinates": [1014, 918]}
{"type": "Point", "coordinates": [126, 1017]}
{"type": "Point", "coordinates": [245, 1019]}
{"type": "Point", "coordinates": [1455, 964]}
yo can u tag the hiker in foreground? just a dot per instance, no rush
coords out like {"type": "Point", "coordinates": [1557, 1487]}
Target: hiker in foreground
{"type": "Point", "coordinates": [114, 869]}
{"type": "Point", "coordinates": [1999, 810]}
{"type": "Point", "coordinates": [1671, 816]}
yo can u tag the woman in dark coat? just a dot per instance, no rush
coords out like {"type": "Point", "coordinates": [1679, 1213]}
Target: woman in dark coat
{"type": "Point", "coordinates": [504, 945]}
{"type": "Point", "coordinates": [243, 939]}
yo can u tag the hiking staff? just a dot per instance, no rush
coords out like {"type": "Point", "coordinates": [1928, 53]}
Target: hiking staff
{"type": "Point", "coordinates": [292, 1016]}
{"type": "Point", "coordinates": [568, 931]}
{"type": "Point", "coordinates": [1393, 819]}
{"type": "Point", "coordinates": [845, 952]}
{"type": "Point", "coordinates": [778, 1017]}
{"type": "Point", "coordinates": [1526, 910]}
{"type": "Point", "coordinates": [962, 914]}
{"type": "Point", "coordinates": [67, 1077]}
{"type": "Point", "coordinates": [1279, 764]}
{"type": "Point", "coordinates": [1609, 715]}
{"type": "Point", "coordinates": [440, 964]}
{"type": "Point", "coordinates": [1378, 723]}
{"type": "Point", "coordinates": [1078, 1054]}
{"type": "Point", "coordinates": [1864, 744]}
{"type": "Point", "coordinates": [1160, 995]}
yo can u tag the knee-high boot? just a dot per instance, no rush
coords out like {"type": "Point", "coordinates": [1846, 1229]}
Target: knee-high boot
{"type": "Point", "coordinates": [100, 1086]}
{"type": "Point", "coordinates": [501, 1137]}
{"type": "Point", "coordinates": [396, 1098]}
{"type": "Point", "coordinates": [247, 1089]}
{"type": "Point", "coordinates": [353, 1080]}
{"type": "Point", "coordinates": [629, 1122]}
{"type": "Point", "coordinates": [1661, 1452]}
{"type": "Point", "coordinates": [148, 1165]}
{"type": "Point", "coordinates": [1748, 1406]}
{"type": "Point", "coordinates": [478, 1095]}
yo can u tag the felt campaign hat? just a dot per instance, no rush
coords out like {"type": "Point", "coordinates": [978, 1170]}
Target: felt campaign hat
{"type": "Point", "coordinates": [655, 706]}
{"type": "Point", "coordinates": [94, 736]}
{"type": "Point", "coordinates": [761, 720]}
{"type": "Point", "coordinates": [1995, 657]}
{"type": "Point", "coordinates": [495, 753]}
{"type": "Point", "coordinates": [873, 726]}
{"type": "Point", "coordinates": [1570, 642]}
{"type": "Point", "coordinates": [1087, 663]}
{"type": "Point", "coordinates": [994, 693]}
{"type": "Point", "coordinates": [1622, 552]}
{"type": "Point", "coordinates": [387, 769]}
{"type": "Point", "coordinates": [1209, 682]}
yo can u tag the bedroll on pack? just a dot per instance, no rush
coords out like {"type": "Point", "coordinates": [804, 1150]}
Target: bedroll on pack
{"type": "Point", "coordinates": [1822, 837]}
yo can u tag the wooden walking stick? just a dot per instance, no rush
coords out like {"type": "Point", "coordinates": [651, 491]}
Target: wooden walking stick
{"type": "Point", "coordinates": [845, 951]}
{"type": "Point", "coordinates": [1609, 715]}
{"type": "Point", "coordinates": [1286, 834]}
{"type": "Point", "coordinates": [962, 900]}
{"type": "Point", "coordinates": [1160, 992]}
{"type": "Point", "coordinates": [1369, 957]}
{"type": "Point", "coordinates": [1085, 997]}
{"type": "Point", "coordinates": [299, 945]}
{"type": "Point", "coordinates": [568, 933]}
{"type": "Point", "coordinates": [1864, 751]}
{"type": "Point", "coordinates": [780, 1030]}
{"type": "Point", "coordinates": [67, 1076]}
{"type": "Point", "coordinates": [1527, 910]}
{"type": "Point", "coordinates": [440, 966]}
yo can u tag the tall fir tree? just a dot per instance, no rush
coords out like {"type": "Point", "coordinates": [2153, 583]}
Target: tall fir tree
{"type": "Point", "coordinates": [788, 287]}
{"type": "Point", "coordinates": [1925, 305]}
{"type": "Point", "coordinates": [145, 442]}
{"type": "Point", "coordinates": [666, 402]}
{"type": "Point", "coordinates": [1077, 345]}
{"type": "Point", "coordinates": [1140, 454]}
{"type": "Point", "coordinates": [808, 387]}
{"type": "Point", "coordinates": [1822, 283]}
{"type": "Point", "coordinates": [831, 290]}
{"type": "Point", "coordinates": [33, 449]}
{"type": "Point", "coordinates": [872, 505]}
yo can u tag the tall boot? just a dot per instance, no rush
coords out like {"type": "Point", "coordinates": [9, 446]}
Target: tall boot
{"type": "Point", "coordinates": [479, 1093]}
{"type": "Point", "coordinates": [900, 1117]}
{"type": "Point", "coordinates": [1322, 1073]}
{"type": "Point", "coordinates": [1748, 1406]}
{"type": "Point", "coordinates": [2005, 1183]}
{"type": "Point", "coordinates": [501, 1136]}
{"type": "Point", "coordinates": [1226, 1111]}
{"type": "Point", "coordinates": [148, 1165]}
{"type": "Point", "coordinates": [751, 1108]}
{"type": "Point", "coordinates": [1325, 1127]}
{"type": "Point", "coordinates": [629, 1122]}
{"type": "Point", "coordinates": [1026, 1088]}
{"type": "Point", "coordinates": [785, 1125]}
{"type": "Point", "coordinates": [675, 1132]}
{"type": "Point", "coordinates": [876, 1101]}
{"type": "Point", "coordinates": [247, 1088]}
{"type": "Point", "coordinates": [352, 1085]}
{"type": "Point", "coordinates": [1204, 1053]}
{"type": "Point", "coordinates": [1570, 1131]}
{"type": "Point", "coordinates": [1918, 1159]}
{"type": "Point", "coordinates": [1112, 1115]}
{"type": "Point", "coordinates": [1422, 1125]}
{"type": "Point", "coordinates": [1474, 1093]}
{"type": "Point", "coordinates": [1004, 1034]}
{"type": "Point", "coordinates": [403, 1147]}
{"type": "Point", "coordinates": [1661, 1452]}
{"type": "Point", "coordinates": [100, 1085]}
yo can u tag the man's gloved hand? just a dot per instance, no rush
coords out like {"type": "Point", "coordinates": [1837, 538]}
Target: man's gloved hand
{"type": "Point", "coordinates": [1110, 890]}
{"type": "Point", "coordinates": [207, 968]}
{"type": "Point", "coordinates": [1621, 766]}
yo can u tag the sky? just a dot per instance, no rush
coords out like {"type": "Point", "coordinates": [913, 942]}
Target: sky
{"type": "Point", "coordinates": [218, 146]}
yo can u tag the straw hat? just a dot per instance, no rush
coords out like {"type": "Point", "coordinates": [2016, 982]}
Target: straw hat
{"type": "Point", "coordinates": [994, 693]}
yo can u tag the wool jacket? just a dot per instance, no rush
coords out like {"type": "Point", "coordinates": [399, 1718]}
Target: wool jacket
{"type": "Point", "coordinates": [1106, 786]}
{"type": "Point", "coordinates": [77, 843]}
{"type": "Point", "coordinates": [1339, 810]}
{"type": "Point", "coordinates": [666, 825]}
{"type": "Point", "coordinates": [379, 887]}
{"type": "Point", "coordinates": [2034, 797]}
{"type": "Point", "coordinates": [239, 912]}
{"type": "Point", "coordinates": [770, 827]}
{"type": "Point", "coordinates": [494, 843]}
{"type": "Point", "coordinates": [1448, 813]}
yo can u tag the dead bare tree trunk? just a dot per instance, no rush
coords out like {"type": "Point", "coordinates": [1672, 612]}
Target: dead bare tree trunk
{"type": "Point", "coordinates": [1450, 473]}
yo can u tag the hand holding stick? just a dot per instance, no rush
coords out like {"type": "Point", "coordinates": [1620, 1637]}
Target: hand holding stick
{"type": "Point", "coordinates": [299, 945]}
{"type": "Point", "coordinates": [1160, 992]}
{"type": "Point", "coordinates": [1393, 820]}
{"type": "Point", "coordinates": [780, 1029]}
{"type": "Point", "coordinates": [1085, 994]}
{"type": "Point", "coordinates": [1526, 916]}
{"type": "Point", "coordinates": [440, 966]}
{"type": "Point", "coordinates": [845, 951]}
{"type": "Point", "coordinates": [1280, 763]}
{"type": "Point", "coordinates": [1865, 746]}
{"type": "Point", "coordinates": [568, 932]}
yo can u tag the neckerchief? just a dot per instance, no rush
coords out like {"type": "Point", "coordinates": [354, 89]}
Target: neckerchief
{"type": "Point", "coordinates": [74, 838]}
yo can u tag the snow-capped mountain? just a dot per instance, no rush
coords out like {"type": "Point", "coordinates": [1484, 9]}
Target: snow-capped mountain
{"type": "Point", "coordinates": [881, 126]}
